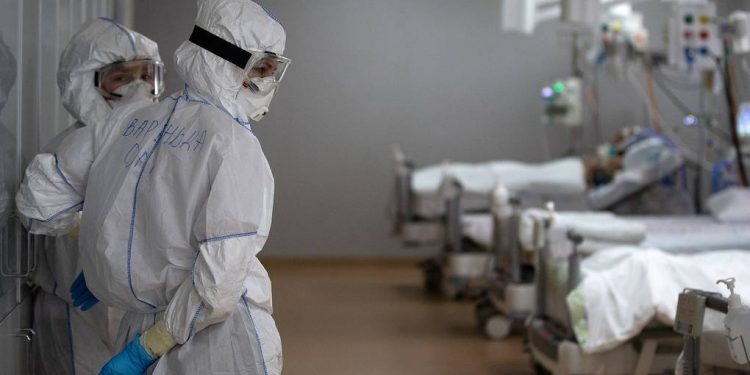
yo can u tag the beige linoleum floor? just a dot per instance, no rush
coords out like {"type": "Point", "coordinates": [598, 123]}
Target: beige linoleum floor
{"type": "Point", "coordinates": [365, 318]}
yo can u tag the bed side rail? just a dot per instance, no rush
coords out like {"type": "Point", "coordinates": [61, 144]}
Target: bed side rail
{"type": "Point", "coordinates": [452, 192]}
{"type": "Point", "coordinates": [404, 170]}
{"type": "Point", "coordinates": [541, 273]}
{"type": "Point", "coordinates": [505, 242]}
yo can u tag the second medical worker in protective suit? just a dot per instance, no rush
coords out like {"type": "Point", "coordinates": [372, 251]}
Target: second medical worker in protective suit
{"type": "Point", "coordinates": [105, 65]}
{"type": "Point", "coordinates": [178, 204]}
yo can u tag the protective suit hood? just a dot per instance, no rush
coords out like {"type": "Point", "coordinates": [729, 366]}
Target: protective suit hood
{"type": "Point", "coordinates": [242, 23]}
{"type": "Point", "coordinates": [98, 43]}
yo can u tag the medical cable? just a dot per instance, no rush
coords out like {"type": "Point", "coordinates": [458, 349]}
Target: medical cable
{"type": "Point", "coordinates": [656, 121]}
{"type": "Point", "coordinates": [730, 91]}
{"type": "Point", "coordinates": [667, 130]}
{"type": "Point", "coordinates": [677, 102]}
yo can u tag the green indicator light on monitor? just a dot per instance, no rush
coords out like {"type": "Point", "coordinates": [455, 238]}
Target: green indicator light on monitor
{"type": "Point", "coordinates": [559, 87]}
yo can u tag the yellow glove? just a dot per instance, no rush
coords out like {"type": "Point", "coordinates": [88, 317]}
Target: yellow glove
{"type": "Point", "coordinates": [157, 340]}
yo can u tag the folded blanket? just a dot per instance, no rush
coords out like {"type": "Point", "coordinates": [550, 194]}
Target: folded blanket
{"type": "Point", "coordinates": [559, 177]}
{"type": "Point", "coordinates": [472, 177]}
{"type": "Point", "coordinates": [599, 229]}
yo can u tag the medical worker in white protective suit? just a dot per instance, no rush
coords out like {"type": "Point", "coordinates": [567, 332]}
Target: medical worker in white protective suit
{"type": "Point", "coordinates": [178, 204]}
{"type": "Point", "coordinates": [104, 66]}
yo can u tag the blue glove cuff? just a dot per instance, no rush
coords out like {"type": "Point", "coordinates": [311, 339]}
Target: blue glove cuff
{"type": "Point", "coordinates": [133, 360]}
{"type": "Point", "coordinates": [138, 353]}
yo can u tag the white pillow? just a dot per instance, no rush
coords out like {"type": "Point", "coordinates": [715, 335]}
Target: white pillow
{"type": "Point", "coordinates": [732, 204]}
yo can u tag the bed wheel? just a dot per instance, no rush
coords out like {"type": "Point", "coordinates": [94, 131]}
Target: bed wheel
{"type": "Point", "coordinates": [491, 321]}
{"type": "Point", "coordinates": [498, 327]}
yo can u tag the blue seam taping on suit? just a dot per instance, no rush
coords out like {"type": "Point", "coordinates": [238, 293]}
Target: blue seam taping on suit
{"type": "Point", "coordinates": [195, 318]}
{"type": "Point", "coordinates": [59, 171]}
{"type": "Point", "coordinates": [244, 124]}
{"type": "Point", "coordinates": [227, 237]}
{"type": "Point", "coordinates": [135, 203]}
{"type": "Point", "coordinates": [56, 215]}
{"type": "Point", "coordinates": [70, 338]}
{"type": "Point", "coordinates": [130, 35]}
{"type": "Point", "coordinates": [257, 336]}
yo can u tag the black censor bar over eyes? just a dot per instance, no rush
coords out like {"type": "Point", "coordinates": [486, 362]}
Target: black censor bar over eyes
{"type": "Point", "coordinates": [220, 47]}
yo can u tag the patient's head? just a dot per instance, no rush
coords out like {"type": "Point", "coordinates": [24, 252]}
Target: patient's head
{"type": "Point", "coordinates": [602, 166]}
{"type": "Point", "coordinates": [600, 171]}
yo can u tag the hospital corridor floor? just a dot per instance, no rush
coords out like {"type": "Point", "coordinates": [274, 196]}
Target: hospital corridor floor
{"type": "Point", "coordinates": [374, 319]}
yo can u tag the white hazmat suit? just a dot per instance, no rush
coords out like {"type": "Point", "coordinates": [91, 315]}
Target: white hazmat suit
{"type": "Point", "coordinates": [71, 341]}
{"type": "Point", "coordinates": [179, 197]}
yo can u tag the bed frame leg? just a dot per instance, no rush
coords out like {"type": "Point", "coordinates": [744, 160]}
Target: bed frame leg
{"type": "Point", "coordinates": [646, 357]}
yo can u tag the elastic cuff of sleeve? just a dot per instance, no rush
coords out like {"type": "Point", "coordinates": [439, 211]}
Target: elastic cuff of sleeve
{"type": "Point", "coordinates": [157, 340]}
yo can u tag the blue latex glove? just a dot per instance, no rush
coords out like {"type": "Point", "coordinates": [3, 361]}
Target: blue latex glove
{"type": "Point", "coordinates": [82, 296]}
{"type": "Point", "coordinates": [133, 360]}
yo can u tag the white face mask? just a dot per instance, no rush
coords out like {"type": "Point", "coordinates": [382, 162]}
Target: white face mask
{"type": "Point", "coordinates": [134, 91]}
{"type": "Point", "coordinates": [255, 105]}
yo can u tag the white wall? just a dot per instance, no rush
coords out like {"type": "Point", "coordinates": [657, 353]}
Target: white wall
{"type": "Point", "coordinates": [436, 76]}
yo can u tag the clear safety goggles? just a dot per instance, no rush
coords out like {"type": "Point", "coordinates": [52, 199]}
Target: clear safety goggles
{"type": "Point", "coordinates": [116, 75]}
{"type": "Point", "coordinates": [264, 70]}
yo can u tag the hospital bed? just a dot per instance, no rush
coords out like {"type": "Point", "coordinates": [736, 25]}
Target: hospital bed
{"type": "Point", "coordinates": [557, 340]}
{"type": "Point", "coordinates": [421, 193]}
{"type": "Point", "coordinates": [515, 239]}
{"type": "Point", "coordinates": [430, 203]}
{"type": "Point", "coordinates": [479, 239]}
{"type": "Point", "coordinates": [508, 235]}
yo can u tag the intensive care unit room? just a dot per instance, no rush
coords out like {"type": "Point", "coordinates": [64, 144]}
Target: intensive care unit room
{"type": "Point", "coordinates": [392, 187]}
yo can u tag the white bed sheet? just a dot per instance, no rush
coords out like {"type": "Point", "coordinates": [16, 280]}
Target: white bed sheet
{"type": "Point", "coordinates": [694, 233]}
{"type": "Point", "coordinates": [478, 228]}
{"type": "Point", "coordinates": [563, 176]}
{"type": "Point", "coordinates": [624, 289]}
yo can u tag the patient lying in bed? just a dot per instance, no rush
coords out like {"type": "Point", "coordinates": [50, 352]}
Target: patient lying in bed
{"type": "Point", "coordinates": [630, 149]}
